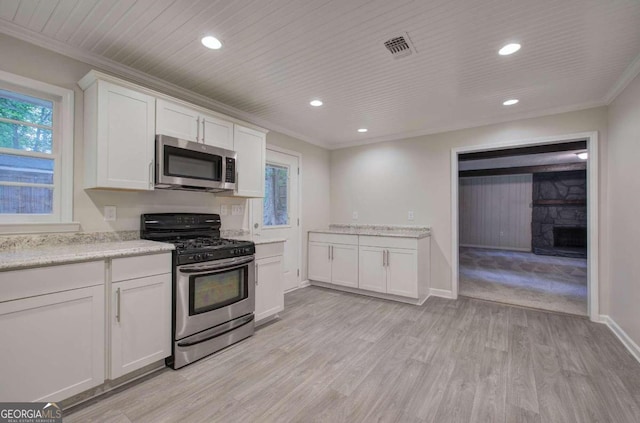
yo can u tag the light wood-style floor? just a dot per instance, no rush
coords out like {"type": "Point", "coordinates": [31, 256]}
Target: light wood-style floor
{"type": "Point", "coordinates": [337, 357]}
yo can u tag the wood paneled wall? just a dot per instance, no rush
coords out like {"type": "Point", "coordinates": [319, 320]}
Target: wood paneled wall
{"type": "Point", "coordinates": [495, 211]}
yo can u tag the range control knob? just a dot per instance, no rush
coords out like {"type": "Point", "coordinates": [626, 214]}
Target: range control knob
{"type": "Point", "coordinates": [198, 256]}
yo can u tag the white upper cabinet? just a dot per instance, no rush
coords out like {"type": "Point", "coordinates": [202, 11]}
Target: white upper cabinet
{"type": "Point", "coordinates": [216, 132]}
{"type": "Point", "coordinates": [251, 148]}
{"type": "Point", "coordinates": [119, 133]}
{"type": "Point", "coordinates": [189, 124]}
{"type": "Point", "coordinates": [177, 121]}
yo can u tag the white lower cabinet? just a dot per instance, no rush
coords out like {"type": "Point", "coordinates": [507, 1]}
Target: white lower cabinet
{"type": "Point", "coordinates": [333, 259]}
{"type": "Point", "coordinates": [391, 267]}
{"type": "Point", "coordinates": [140, 312]}
{"type": "Point", "coordinates": [52, 345]}
{"type": "Point", "coordinates": [269, 281]}
{"type": "Point", "coordinates": [373, 273]}
{"type": "Point", "coordinates": [402, 272]}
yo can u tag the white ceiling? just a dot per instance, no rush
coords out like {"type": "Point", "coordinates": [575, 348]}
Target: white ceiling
{"type": "Point", "coordinates": [280, 54]}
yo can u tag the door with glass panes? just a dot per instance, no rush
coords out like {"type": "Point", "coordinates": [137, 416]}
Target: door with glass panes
{"type": "Point", "coordinates": [277, 215]}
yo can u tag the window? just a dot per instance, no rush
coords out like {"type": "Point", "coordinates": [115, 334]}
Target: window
{"type": "Point", "coordinates": [36, 146]}
{"type": "Point", "coordinates": [276, 196]}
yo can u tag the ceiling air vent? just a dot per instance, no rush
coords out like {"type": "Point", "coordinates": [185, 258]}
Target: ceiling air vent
{"type": "Point", "coordinates": [400, 46]}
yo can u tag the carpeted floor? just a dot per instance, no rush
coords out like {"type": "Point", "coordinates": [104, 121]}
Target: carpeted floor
{"type": "Point", "coordinates": [525, 279]}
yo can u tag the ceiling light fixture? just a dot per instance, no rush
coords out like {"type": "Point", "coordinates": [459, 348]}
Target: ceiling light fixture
{"type": "Point", "coordinates": [316, 103]}
{"type": "Point", "coordinates": [362, 130]}
{"type": "Point", "coordinates": [583, 156]}
{"type": "Point", "coordinates": [509, 49]}
{"type": "Point", "coordinates": [211, 42]}
{"type": "Point", "coordinates": [510, 102]}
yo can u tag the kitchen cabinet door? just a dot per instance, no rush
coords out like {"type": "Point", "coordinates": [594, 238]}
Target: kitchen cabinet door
{"type": "Point", "coordinates": [251, 148]}
{"type": "Point", "coordinates": [269, 287]}
{"type": "Point", "coordinates": [402, 272]}
{"type": "Point", "coordinates": [344, 265]}
{"type": "Point", "coordinates": [52, 345]}
{"type": "Point", "coordinates": [372, 272]}
{"type": "Point", "coordinates": [177, 121]}
{"type": "Point", "coordinates": [319, 261]}
{"type": "Point", "coordinates": [140, 323]}
{"type": "Point", "coordinates": [119, 137]}
{"type": "Point", "coordinates": [216, 132]}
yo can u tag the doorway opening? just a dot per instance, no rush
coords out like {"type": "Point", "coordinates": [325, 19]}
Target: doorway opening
{"type": "Point", "coordinates": [525, 222]}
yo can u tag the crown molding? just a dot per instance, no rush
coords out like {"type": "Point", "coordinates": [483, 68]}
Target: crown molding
{"type": "Point", "coordinates": [135, 76]}
{"type": "Point", "coordinates": [471, 125]}
{"type": "Point", "coordinates": [625, 79]}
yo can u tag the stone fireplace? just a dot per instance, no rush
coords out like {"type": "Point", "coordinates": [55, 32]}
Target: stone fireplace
{"type": "Point", "coordinates": [559, 218]}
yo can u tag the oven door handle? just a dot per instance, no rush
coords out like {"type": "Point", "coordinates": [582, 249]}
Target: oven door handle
{"type": "Point", "coordinates": [221, 266]}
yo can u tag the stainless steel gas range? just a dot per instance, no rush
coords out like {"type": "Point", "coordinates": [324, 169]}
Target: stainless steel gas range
{"type": "Point", "coordinates": [213, 284]}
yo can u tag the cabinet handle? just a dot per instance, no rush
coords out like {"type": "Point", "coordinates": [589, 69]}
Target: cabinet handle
{"type": "Point", "coordinates": [332, 252]}
{"type": "Point", "coordinates": [151, 176]}
{"type": "Point", "coordinates": [203, 130]}
{"type": "Point", "coordinates": [329, 252]}
{"type": "Point", "coordinates": [198, 129]}
{"type": "Point", "coordinates": [256, 274]}
{"type": "Point", "coordinates": [387, 258]}
{"type": "Point", "coordinates": [118, 305]}
{"type": "Point", "coordinates": [384, 258]}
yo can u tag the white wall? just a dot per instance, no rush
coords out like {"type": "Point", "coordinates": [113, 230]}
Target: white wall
{"type": "Point", "coordinates": [383, 181]}
{"type": "Point", "coordinates": [495, 211]}
{"type": "Point", "coordinates": [33, 62]}
{"type": "Point", "coordinates": [314, 185]}
{"type": "Point", "coordinates": [624, 204]}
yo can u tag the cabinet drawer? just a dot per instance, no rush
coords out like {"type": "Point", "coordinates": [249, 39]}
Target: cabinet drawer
{"type": "Point", "coordinates": [24, 283]}
{"type": "Point", "coordinates": [389, 242]}
{"type": "Point", "coordinates": [140, 266]}
{"type": "Point", "coordinates": [333, 238]}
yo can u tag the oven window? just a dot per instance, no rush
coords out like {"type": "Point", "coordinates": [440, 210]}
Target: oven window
{"type": "Point", "coordinates": [215, 290]}
{"type": "Point", "coordinates": [185, 163]}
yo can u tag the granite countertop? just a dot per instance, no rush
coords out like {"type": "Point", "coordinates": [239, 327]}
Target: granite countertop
{"type": "Point", "coordinates": [14, 259]}
{"type": "Point", "coordinates": [378, 230]}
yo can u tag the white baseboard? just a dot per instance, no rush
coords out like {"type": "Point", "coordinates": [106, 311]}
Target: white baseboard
{"type": "Point", "coordinates": [305, 284]}
{"type": "Point", "coordinates": [444, 293]}
{"type": "Point", "coordinates": [626, 340]}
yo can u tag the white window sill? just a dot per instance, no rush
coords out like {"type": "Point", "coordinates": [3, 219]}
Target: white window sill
{"type": "Point", "coordinates": [37, 228]}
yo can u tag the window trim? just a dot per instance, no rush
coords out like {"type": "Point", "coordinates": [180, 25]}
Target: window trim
{"type": "Point", "coordinates": [62, 149]}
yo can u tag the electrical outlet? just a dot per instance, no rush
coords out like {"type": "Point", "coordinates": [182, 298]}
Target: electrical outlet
{"type": "Point", "coordinates": [354, 216]}
{"type": "Point", "coordinates": [237, 210]}
{"type": "Point", "coordinates": [224, 210]}
{"type": "Point", "coordinates": [410, 215]}
{"type": "Point", "coordinates": [110, 213]}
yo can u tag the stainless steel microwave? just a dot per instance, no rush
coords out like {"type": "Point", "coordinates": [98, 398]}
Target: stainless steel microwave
{"type": "Point", "coordinates": [187, 165]}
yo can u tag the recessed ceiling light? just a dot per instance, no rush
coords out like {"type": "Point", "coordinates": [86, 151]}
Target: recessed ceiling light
{"type": "Point", "coordinates": [211, 42]}
{"type": "Point", "coordinates": [510, 102]}
{"type": "Point", "coordinates": [583, 156]}
{"type": "Point", "coordinates": [509, 49]}
{"type": "Point", "coordinates": [362, 130]}
{"type": "Point", "coordinates": [316, 103]}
